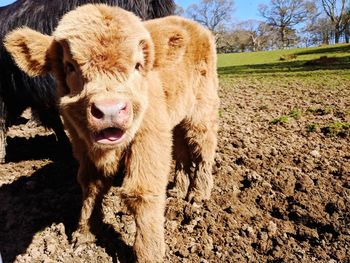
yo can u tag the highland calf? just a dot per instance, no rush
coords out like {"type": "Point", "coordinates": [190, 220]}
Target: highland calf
{"type": "Point", "coordinates": [17, 90]}
{"type": "Point", "coordinates": [127, 90]}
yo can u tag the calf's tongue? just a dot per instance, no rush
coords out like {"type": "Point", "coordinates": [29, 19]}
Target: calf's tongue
{"type": "Point", "coordinates": [112, 134]}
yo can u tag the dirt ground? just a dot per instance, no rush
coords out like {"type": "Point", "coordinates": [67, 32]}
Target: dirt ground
{"type": "Point", "coordinates": [282, 187]}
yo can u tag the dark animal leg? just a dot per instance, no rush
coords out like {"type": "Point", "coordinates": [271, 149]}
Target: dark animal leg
{"type": "Point", "coordinates": [51, 118]}
{"type": "Point", "coordinates": [3, 130]}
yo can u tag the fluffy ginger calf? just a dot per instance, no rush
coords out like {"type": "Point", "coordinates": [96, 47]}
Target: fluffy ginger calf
{"type": "Point", "coordinates": [127, 90]}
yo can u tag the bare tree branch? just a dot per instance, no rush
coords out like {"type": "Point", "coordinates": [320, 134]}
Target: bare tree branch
{"type": "Point", "coordinates": [337, 13]}
{"type": "Point", "coordinates": [285, 14]}
{"type": "Point", "coordinates": [213, 14]}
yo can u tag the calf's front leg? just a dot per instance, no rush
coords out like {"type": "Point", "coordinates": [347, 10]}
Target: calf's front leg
{"type": "Point", "coordinates": [148, 210]}
{"type": "Point", "coordinates": [144, 190]}
{"type": "Point", "coordinates": [94, 187]}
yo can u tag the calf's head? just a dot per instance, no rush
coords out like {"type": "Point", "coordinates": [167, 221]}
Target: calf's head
{"type": "Point", "coordinates": [100, 57]}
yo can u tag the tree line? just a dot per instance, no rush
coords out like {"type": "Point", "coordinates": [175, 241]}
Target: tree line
{"type": "Point", "coordinates": [283, 24]}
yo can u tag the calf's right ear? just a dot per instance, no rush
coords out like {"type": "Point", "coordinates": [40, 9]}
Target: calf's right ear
{"type": "Point", "coordinates": [30, 50]}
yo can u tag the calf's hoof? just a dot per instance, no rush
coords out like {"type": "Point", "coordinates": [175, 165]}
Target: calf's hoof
{"type": "Point", "coordinates": [177, 193]}
{"type": "Point", "coordinates": [197, 196]}
{"type": "Point", "coordinates": [82, 237]}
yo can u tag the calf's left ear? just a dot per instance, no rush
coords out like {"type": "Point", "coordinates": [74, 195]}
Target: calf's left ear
{"type": "Point", "coordinates": [29, 49]}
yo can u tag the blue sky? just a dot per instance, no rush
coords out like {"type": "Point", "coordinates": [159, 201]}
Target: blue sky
{"type": "Point", "coordinates": [245, 9]}
{"type": "Point", "coordinates": [5, 2]}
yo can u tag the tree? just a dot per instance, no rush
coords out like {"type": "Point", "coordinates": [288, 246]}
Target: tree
{"type": "Point", "coordinates": [285, 14]}
{"type": "Point", "coordinates": [347, 26]}
{"type": "Point", "coordinates": [214, 14]}
{"type": "Point", "coordinates": [259, 33]}
{"type": "Point", "coordinates": [320, 31]}
{"type": "Point", "coordinates": [249, 35]}
{"type": "Point", "coordinates": [233, 41]}
{"type": "Point", "coordinates": [179, 11]}
{"type": "Point", "coordinates": [336, 11]}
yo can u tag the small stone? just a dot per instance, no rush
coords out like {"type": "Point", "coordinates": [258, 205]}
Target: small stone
{"type": "Point", "coordinates": [248, 230]}
{"type": "Point", "coordinates": [196, 208]}
{"type": "Point", "coordinates": [254, 176]}
{"type": "Point", "coordinates": [51, 248]}
{"type": "Point", "coordinates": [272, 228]}
{"type": "Point", "coordinates": [315, 154]}
{"type": "Point", "coordinates": [236, 237]}
{"type": "Point", "coordinates": [274, 152]}
{"type": "Point", "coordinates": [266, 185]}
{"type": "Point", "coordinates": [229, 169]}
{"type": "Point", "coordinates": [308, 232]}
{"type": "Point", "coordinates": [189, 228]}
{"type": "Point", "coordinates": [264, 237]}
{"type": "Point", "coordinates": [171, 225]}
{"type": "Point", "coordinates": [130, 228]}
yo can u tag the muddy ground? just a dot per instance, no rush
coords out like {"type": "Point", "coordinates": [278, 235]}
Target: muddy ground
{"type": "Point", "coordinates": [282, 187]}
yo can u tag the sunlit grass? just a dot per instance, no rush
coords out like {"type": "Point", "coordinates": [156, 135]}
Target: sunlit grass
{"type": "Point", "coordinates": [262, 57]}
{"type": "Point", "coordinates": [302, 63]}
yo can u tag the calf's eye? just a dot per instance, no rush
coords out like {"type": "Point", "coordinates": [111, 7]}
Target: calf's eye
{"type": "Point", "coordinates": [69, 68]}
{"type": "Point", "coordinates": [138, 66]}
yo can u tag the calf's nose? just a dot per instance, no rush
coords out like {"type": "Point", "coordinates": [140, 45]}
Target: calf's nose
{"type": "Point", "coordinates": [115, 112]}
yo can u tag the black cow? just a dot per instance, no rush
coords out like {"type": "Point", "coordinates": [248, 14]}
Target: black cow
{"type": "Point", "coordinates": [17, 90]}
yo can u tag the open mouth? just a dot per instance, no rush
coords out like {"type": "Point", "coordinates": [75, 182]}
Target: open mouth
{"type": "Point", "coordinates": [109, 136]}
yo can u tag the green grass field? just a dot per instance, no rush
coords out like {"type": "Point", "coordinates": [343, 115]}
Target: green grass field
{"type": "Point", "coordinates": [302, 62]}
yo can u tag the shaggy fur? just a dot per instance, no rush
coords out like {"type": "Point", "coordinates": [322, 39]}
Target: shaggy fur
{"type": "Point", "coordinates": [17, 90]}
{"type": "Point", "coordinates": [128, 90]}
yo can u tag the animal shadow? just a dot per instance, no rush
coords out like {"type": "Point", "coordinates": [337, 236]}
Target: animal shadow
{"type": "Point", "coordinates": [36, 148]}
{"type": "Point", "coordinates": [50, 195]}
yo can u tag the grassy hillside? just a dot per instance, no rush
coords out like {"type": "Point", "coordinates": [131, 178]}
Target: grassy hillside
{"type": "Point", "coordinates": [301, 62]}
